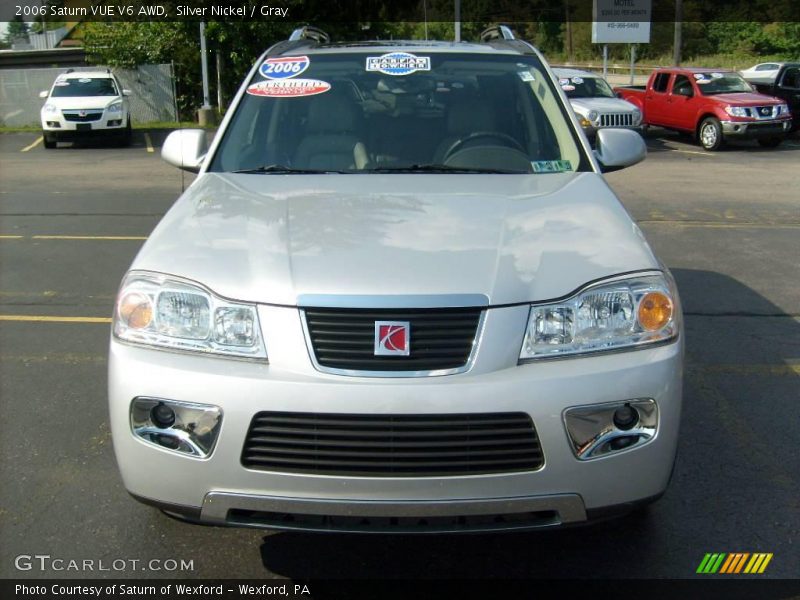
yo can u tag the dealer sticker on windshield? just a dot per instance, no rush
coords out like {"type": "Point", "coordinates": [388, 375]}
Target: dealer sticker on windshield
{"type": "Point", "coordinates": [398, 63]}
{"type": "Point", "coordinates": [284, 67]}
{"type": "Point", "coordinates": [288, 88]}
{"type": "Point", "coordinates": [551, 166]}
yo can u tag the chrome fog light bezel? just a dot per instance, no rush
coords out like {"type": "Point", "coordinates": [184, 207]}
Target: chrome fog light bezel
{"type": "Point", "coordinates": [592, 433]}
{"type": "Point", "coordinates": [194, 432]}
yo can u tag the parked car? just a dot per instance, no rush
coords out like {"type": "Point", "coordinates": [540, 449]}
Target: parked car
{"type": "Point", "coordinates": [83, 104]}
{"type": "Point", "coordinates": [764, 73]}
{"type": "Point", "coordinates": [785, 86]}
{"type": "Point", "coordinates": [713, 105]}
{"type": "Point", "coordinates": [595, 102]}
{"type": "Point", "coordinates": [399, 296]}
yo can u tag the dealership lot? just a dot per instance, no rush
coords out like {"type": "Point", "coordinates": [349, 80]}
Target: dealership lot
{"type": "Point", "coordinates": [727, 224]}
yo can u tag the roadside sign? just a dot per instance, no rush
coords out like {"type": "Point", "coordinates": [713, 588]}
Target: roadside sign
{"type": "Point", "coordinates": [621, 21]}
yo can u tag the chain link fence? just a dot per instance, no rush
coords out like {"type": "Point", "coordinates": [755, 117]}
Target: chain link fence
{"type": "Point", "coordinates": [152, 93]}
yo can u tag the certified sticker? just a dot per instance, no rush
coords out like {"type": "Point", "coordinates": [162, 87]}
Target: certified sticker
{"type": "Point", "coordinates": [526, 76]}
{"type": "Point", "coordinates": [699, 75]}
{"type": "Point", "coordinates": [716, 75]}
{"type": "Point", "coordinates": [398, 63]}
{"type": "Point", "coordinates": [577, 80]}
{"type": "Point", "coordinates": [284, 67]}
{"type": "Point", "coordinates": [288, 88]}
{"type": "Point", "coordinates": [563, 81]}
{"type": "Point", "coordinates": [568, 88]}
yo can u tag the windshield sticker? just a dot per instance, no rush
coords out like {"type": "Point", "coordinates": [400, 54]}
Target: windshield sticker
{"type": "Point", "coordinates": [703, 81]}
{"type": "Point", "coordinates": [577, 80]}
{"type": "Point", "coordinates": [526, 76]}
{"type": "Point", "coordinates": [699, 75]}
{"type": "Point", "coordinates": [288, 88]}
{"type": "Point", "coordinates": [62, 83]}
{"type": "Point", "coordinates": [284, 67]}
{"type": "Point", "coordinates": [551, 166]}
{"type": "Point", "coordinates": [716, 75]}
{"type": "Point", "coordinates": [84, 80]}
{"type": "Point", "coordinates": [568, 88]}
{"type": "Point", "coordinates": [563, 82]}
{"type": "Point", "coordinates": [398, 63]}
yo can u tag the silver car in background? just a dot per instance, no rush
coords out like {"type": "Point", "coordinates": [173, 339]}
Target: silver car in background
{"type": "Point", "coordinates": [398, 297]}
{"type": "Point", "coordinates": [594, 101]}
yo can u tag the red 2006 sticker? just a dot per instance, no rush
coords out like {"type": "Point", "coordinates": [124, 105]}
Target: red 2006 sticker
{"type": "Point", "coordinates": [288, 88]}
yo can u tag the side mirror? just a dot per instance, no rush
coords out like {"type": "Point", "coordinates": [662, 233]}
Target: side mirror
{"type": "Point", "coordinates": [619, 148]}
{"type": "Point", "coordinates": [685, 91]}
{"type": "Point", "coordinates": [126, 92]}
{"type": "Point", "coordinates": [44, 94]}
{"type": "Point", "coordinates": [185, 149]}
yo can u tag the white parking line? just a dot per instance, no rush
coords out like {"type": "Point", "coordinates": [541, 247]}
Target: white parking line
{"type": "Point", "coordinates": [33, 145]}
{"type": "Point", "coordinates": [149, 142]}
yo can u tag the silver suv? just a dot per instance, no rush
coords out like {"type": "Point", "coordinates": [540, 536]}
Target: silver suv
{"type": "Point", "coordinates": [399, 296]}
{"type": "Point", "coordinates": [593, 99]}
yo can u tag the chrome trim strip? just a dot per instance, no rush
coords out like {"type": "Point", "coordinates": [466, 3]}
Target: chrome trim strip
{"type": "Point", "coordinates": [396, 374]}
{"type": "Point", "coordinates": [377, 301]}
{"type": "Point", "coordinates": [216, 505]}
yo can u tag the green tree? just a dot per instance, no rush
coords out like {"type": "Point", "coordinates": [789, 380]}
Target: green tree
{"type": "Point", "coordinates": [17, 30]}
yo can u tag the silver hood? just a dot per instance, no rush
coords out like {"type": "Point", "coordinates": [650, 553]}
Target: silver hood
{"type": "Point", "coordinates": [510, 238]}
{"type": "Point", "coordinates": [602, 105]}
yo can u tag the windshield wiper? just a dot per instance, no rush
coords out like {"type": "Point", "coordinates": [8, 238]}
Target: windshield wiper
{"type": "Point", "coordinates": [282, 170]}
{"type": "Point", "coordinates": [435, 168]}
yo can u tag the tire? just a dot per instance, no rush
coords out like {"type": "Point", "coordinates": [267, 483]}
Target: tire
{"type": "Point", "coordinates": [127, 136]}
{"type": "Point", "coordinates": [710, 134]}
{"type": "Point", "coordinates": [770, 142]}
{"type": "Point", "coordinates": [50, 142]}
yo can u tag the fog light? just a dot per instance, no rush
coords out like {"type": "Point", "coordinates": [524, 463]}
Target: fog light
{"type": "Point", "coordinates": [182, 427]}
{"type": "Point", "coordinates": [162, 416]}
{"type": "Point", "coordinates": [625, 417]}
{"type": "Point", "coordinates": [597, 430]}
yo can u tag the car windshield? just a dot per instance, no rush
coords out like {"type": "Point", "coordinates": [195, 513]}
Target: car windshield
{"type": "Point", "coordinates": [398, 112]}
{"type": "Point", "coordinates": [84, 86]}
{"type": "Point", "coordinates": [585, 87]}
{"type": "Point", "coordinates": [721, 83]}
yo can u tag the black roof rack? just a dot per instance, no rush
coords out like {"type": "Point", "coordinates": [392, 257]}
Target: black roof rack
{"type": "Point", "coordinates": [497, 32]}
{"type": "Point", "coordinates": [310, 33]}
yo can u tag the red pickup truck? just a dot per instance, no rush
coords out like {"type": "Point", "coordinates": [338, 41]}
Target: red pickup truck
{"type": "Point", "coordinates": [711, 104]}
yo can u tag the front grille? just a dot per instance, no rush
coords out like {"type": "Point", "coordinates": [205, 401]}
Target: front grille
{"type": "Point", "coordinates": [392, 445]}
{"type": "Point", "coordinates": [616, 120]}
{"type": "Point", "coordinates": [89, 115]}
{"type": "Point", "coordinates": [765, 112]}
{"type": "Point", "coordinates": [345, 338]}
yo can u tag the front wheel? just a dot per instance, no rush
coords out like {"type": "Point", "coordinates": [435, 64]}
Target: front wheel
{"type": "Point", "coordinates": [49, 141]}
{"type": "Point", "coordinates": [770, 142]}
{"type": "Point", "coordinates": [710, 134]}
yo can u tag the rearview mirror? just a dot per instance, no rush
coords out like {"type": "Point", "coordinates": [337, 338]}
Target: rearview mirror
{"type": "Point", "coordinates": [619, 148]}
{"type": "Point", "coordinates": [126, 92]}
{"type": "Point", "coordinates": [44, 94]}
{"type": "Point", "coordinates": [185, 149]}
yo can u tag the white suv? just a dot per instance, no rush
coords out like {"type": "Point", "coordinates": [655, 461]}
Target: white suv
{"type": "Point", "coordinates": [85, 103]}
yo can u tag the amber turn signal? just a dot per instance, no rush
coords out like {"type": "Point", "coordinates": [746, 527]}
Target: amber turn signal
{"type": "Point", "coordinates": [655, 311]}
{"type": "Point", "coordinates": [136, 310]}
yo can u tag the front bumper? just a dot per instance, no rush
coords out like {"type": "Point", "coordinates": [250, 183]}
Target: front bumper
{"type": "Point", "coordinates": [565, 490]}
{"type": "Point", "coordinates": [754, 130]}
{"type": "Point", "coordinates": [108, 123]}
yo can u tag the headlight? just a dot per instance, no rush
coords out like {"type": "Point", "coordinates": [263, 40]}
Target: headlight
{"type": "Point", "coordinates": [637, 116]}
{"type": "Point", "coordinates": [157, 310]}
{"type": "Point", "coordinates": [592, 116]}
{"type": "Point", "coordinates": [621, 313]}
{"type": "Point", "coordinates": [783, 109]}
{"type": "Point", "coordinates": [49, 108]}
{"type": "Point", "coordinates": [115, 108]}
{"type": "Point", "coordinates": [737, 111]}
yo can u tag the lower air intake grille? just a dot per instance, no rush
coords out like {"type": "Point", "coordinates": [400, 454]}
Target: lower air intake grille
{"type": "Point", "coordinates": [392, 445]}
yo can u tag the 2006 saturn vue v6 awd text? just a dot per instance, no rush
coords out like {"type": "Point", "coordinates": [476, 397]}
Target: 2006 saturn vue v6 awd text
{"type": "Point", "coordinates": [399, 296]}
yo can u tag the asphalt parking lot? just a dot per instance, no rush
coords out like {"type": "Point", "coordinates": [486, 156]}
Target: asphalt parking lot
{"type": "Point", "coordinates": [727, 224]}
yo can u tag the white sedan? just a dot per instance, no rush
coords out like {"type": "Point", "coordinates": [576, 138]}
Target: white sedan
{"type": "Point", "coordinates": [762, 73]}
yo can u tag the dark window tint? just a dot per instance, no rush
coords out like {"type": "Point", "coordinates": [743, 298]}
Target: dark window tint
{"type": "Point", "coordinates": [660, 83]}
{"type": "Point", "coordinates": [682, 85]}
{"type": "Point", "coordinates": [84, 87]}
{"type": "Point", "coordinates": [791, 78]}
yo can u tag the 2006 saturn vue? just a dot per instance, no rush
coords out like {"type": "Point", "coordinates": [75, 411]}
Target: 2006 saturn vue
{"type": "Point", "coordinates": [399, 296]}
